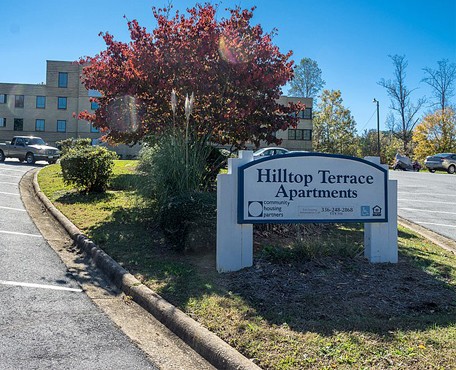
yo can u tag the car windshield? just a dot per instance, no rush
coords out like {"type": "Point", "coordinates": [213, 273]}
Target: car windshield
{"type": "Point", "coordinates": [442, 155]}
{"type": "Point", "coordinates": [35, 141]}
{"type": "Point", "coordinates": [258, 152]}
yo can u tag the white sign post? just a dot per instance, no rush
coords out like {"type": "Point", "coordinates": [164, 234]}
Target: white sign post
{"type": "Point", "coordinates": [380, 239]}
{"type": "Point", "coordinates": [234, 241]}
{"type": "Point", "coordinates": [304, 187]}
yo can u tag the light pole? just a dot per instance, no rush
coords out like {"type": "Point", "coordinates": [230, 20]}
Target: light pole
{"type": "Point", "coordinates": [378, 126]}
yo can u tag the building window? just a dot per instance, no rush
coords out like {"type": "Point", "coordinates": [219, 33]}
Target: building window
{"type": "Point", "coordinates": [94, 93]}
{"type": "Point", "coordinates": [41, 102]}
{"type": "Point", "coordinates": [94, 105]}
{"type": "Point", "coordinates": [306, 114]}
{"type": "Point", "coordinates": [93, 129]}
{"type": "Point", "coordinates": [305, 135]}
{"type": "Point", "coordinates": [2, 122]}
{"type": "Point", "coordinates": [18, 124]}
{"type": "Point", "coordinates": [3, 98]}
{"type": "Point", "coordinates": [39, 125]}
{"type": "Point", "coordinates": [61, 103]}
{"type": "Point", "coordinates": [19, 101]}
{"type": "Point", "coordinates": [61, 125]}
{"type": "Point", "coordinates": [63, 79]}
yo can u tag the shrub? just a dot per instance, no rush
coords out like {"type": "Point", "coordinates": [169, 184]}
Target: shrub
{"type": "Point", "coordinates": [216, 160]}
{"type": "Point", "coordinates": [189, 221]}
{"type": "Point", "coordinates": [88, 168]}
{"type": "Point", "coordinates": [67, 144]}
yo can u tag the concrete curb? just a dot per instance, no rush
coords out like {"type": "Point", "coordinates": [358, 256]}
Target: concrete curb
{"type": "Point", "coordinates": [440, 240]}
{"type": "Point", "coordinates": [207, 344]}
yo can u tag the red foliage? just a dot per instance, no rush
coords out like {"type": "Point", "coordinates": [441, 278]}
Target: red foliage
{"type": "Point", "coordinates": [232, 67]}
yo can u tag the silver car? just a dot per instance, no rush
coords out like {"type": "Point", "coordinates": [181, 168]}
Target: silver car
{"type": "Point", "coordinates": [441, 161]}
{"type": "Point", "coordinates": [266, 152]}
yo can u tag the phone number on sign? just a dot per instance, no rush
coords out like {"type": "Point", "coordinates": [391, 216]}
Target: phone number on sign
{"type": "Point", "coordinates": [336, 210]}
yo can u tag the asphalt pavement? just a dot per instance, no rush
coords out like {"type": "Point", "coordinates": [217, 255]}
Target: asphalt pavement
{"type": "Point", "coordinates": [56, 315]}
{"type": "Point", "coordinates": [46, 320]}
{"type": "Point", "coordinates": [428, 199]}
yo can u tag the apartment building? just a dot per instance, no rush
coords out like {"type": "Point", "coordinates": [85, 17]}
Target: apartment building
{"type": "Point", "coordinates": [47, 110]}
{"type": "Point", "coordinates": [299, 138]}
{"type": "Point", "coordinates": [50, 110]}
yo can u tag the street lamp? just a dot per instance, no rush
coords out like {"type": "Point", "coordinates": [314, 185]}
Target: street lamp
{"type": "Point", "coordinates": [378, 126]}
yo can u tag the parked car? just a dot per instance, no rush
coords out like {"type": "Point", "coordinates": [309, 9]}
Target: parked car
{"type": "Point", "coordinates": [29, 149]}
{"type": "Point", "coordinates": [441, 161]}
{"type": "Point", "coordinates": [266, 152]}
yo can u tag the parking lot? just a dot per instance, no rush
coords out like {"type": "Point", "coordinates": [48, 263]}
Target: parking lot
{"type": "Point", "coordinates": [428, 199]}
{"type": "Point", "coordinates": [46, 320]}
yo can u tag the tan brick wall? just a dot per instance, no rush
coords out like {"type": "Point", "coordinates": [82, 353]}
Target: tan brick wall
{"type": "Point", "coordinates": [77, 101]}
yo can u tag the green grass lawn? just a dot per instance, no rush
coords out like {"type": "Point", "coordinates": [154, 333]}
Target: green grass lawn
{"type": "Point", "coordinates": [285, 312]}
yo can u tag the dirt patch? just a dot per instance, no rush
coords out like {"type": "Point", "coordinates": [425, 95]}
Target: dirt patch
{"type": "Point", "coordinates": [341, 294]}
{"type": "Point", "coordinates": [338, 294]}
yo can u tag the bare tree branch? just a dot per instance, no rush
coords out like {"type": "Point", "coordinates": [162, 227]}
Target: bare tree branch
{"type": "Point", "coordinates": [404, 116]}
{"type": "Point", "coordinates": [442, 81]}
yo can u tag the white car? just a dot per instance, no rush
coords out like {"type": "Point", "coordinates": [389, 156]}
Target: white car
{"type": "Point", "coordinates": [267, 152]}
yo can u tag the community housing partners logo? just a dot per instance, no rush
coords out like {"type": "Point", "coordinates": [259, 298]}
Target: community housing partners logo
{"type": "Point", "coordinates": [255, 208]}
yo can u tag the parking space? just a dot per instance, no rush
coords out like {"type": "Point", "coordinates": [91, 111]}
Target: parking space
{"type": "Point", "coordinates": [428, 199]}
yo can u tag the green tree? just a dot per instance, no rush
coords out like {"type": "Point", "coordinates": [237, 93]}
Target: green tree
{"type": "Point", "coordinates": [389, 145]}
{"type": "Point", "coordinates": [307, 81]}
{"type": "Point", "coordinates": [334, 126]}
{"type": "Point", "coordinates": [404, 115]}
{"type": "Point", "coordinates": [435, 134]}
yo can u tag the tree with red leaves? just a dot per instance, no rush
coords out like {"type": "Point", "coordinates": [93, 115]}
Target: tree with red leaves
{"type": "Point", "coordinates": [232, 68]}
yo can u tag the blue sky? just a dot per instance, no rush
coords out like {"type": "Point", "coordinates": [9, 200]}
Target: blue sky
{"type": "Point", "coordinates": [350, 40]}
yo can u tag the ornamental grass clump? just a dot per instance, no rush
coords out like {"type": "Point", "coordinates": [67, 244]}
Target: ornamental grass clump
{"type": "Point", "coordinates": [175, 170]}
{"type": "Point", "coordinates": [88, 168]}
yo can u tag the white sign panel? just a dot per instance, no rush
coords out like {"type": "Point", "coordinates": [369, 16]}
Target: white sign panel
{"type": "Point", "coordinates": [312, 187]}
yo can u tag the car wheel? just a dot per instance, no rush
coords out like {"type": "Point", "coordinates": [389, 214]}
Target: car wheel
{"type": "Point", "coordinates": [30, 158]}
{"type": "Point", "coordinates": [2, 156]}
{"type": "Point", "coordinates": [52, 162]}
{"type": "Point", "coordinates": [451, 169]}
{"type": "Point", "coordinates": [431, 170]}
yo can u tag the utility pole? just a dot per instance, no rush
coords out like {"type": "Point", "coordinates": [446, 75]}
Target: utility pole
{"type": "Point", "coordinates": [378, 126]}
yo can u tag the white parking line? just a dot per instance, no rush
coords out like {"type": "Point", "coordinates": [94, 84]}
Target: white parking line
{"type": "Point", "coordinates": [2, 192]}
{"type": "Point", "coordinates": [10, 169]}
{"type": "Point", "coordinates": [426, 201]}
{"type": "Point", "coordinates": [22, 234]}
{"type": "Point", "coordinates": [40, 286]}
{"type": "Point", "coordinates": [427, 210]}
{"type": "Point", "coordinates": [431, 223]}
{"type": "Point", "coordinates": [427, 194]}
{"type": "Point", "coordinates": [12, 176]}
{"type": "Point", "coordinates": [13, 209]}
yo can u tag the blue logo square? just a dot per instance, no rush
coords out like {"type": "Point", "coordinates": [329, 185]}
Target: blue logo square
{"type": "Point", "coordinates": [365, 211]}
